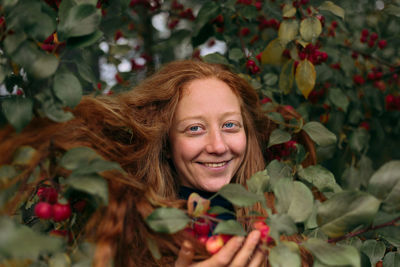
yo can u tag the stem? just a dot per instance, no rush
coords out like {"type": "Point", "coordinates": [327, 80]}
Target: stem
{"type": "Point", "coordinates": [371, 228]}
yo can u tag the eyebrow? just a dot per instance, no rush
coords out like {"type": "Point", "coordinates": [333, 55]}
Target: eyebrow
{"type": "Point", "coordinates": [199, 117]}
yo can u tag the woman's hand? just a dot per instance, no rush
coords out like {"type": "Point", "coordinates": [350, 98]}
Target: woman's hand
{"type": "Point", "coordinates": [234, 253]}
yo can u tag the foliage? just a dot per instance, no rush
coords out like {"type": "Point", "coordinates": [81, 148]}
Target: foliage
{"type": "Point", "coordinates": [335, 63]}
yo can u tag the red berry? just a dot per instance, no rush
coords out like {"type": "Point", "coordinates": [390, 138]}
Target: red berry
{"type": "Point", "coordinates": [358, 79]}
{"type": "Point", "coordinates": [354, 55]}
{"type": "Point", "coordinates": [304, 2]}
{"type": "Point", "coordinates": [118, 34]}
{"type": "Point", "coordinates": [43, 210]}
{"type": "Point", "coordinates": [371, 43]}
{"type": "Point", "coordinates": [245, 31]}
{"type": "Point", "coordinates": [374, 36]}
{"type": "Point", "coordinates": [365, 32]}
{"type": "Point", "coordinates": [48, 194]}
{"type": "Point", "coordinates": [365, 125]}
{"type": "Point", "coordinates": [265, 100]}
{"type": "Point", "coordinates": [371, 76]}
{"type": "Point", "coordinates": [250, 63]}
{"type": "Point", "coordinates": [334, 24]}
{"type": "Point", "coordinates": [172, 24]}
{"type": "Point", "coordinates": [61, 212]}
{"type": "Point", "coordinates": [202, 239]}
{"type": "Point", "coordinates": [258, 5]}
{"type": "Point", "coordinates": [382, 44]}
{"type": "Point", "coordinates": [255, 69]}
{"type": "Point", "coordinates": [259, 56]}
{"type": "Point", "coordinates": [363, 39]}
{"type": "Point", "coordinates": [19, 91]}
{"type": "Point", "coordinates": [211, 43]}
{"type": "Point", "coordinates": [214, 244]}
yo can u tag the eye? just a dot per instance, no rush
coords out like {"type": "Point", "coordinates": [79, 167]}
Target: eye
{"type": "Point", "coordinates": [194, 129]}
{"type": "Point", "coordinates": [229, 125]}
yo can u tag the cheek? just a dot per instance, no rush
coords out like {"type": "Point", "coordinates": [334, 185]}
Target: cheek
{"type": "Point", "coordinates": [239, 144]}
{"type": "Point", "coordinates": [184, 150]}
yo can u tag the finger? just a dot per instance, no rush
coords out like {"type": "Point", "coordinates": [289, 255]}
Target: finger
{"type": "Point", "coordinates": [226, 254]}
{"type": "Point", "coordinates": [247, 250]}
{"type": "Point", "coordinates": [257, 259]}
{"type": "Point", "coordinates": [185, 255]}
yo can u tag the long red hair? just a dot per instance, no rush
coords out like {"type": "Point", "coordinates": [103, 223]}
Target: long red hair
{"type": "Point", "coordinates": [132, 128]}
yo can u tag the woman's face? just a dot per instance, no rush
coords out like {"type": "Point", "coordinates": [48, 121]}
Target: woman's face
{"type": "Point", "coordinates": [207, 137]}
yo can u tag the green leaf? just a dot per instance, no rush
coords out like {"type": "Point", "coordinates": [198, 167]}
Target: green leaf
{"type": "Point", "coordinates": [13, 41]}
{"type": "Point", "coordinates": [375, 250]}
{"type": "Point", "coordinates": [93, 184]}
{"type": "Point", "coordinates": [207, 12]}
{"type": "Point", "coordinates": [67, 88]}
{"type": "Point", "coordinates": [319, 177]}
{"type": "Point", "coordinates": [216, 58]}
{"type": "Point", "coordinates": [21, 242]}
{"type": "Point", "coordinates": [60, 260]}
{"type": "Point", "coordinates": [288, 11]}
{"type": "Point", "coordinates": [229, 227]}
{"type": "Point", "coordinates": [285, 254]}
{"type": "Point", "coordinates": [385, 185]}
{"type": "Point", "coordinates": [39, 25]}
{"type": "Point", "coordinates": [338, 98]}
{"type": "Point", "coordinates": [98, 166]}
{"type": "Point", "coordinates": [239, 196]}
{"type": "Point", "coordinates": [346, 210]}
{"type": "Point", "coordinates": [235, 54]}
{"type": "Point", "coordinates": [79, 157]}
{"type": "Point", "coordinates": [153, 247]}
{"type": "Point", "coordinates": [7, 172]}
{"type": "Point", "coordinates": [359, 140]}
{"type": "Point", "coordinates": [310, 28]}
{"type": "Point", "coordinates": [333, 8]}
{"type": "Point", "coordinates": [286, 77]}
{"type": "Point", "coordinates": [281, 224]}
{"type": "Point", "coordinates": [44, 66]}
{"type": "Point", "coordinates": [293, 198]}
{"type": "Point", "coordinates": [218, 210]}
{"type": "Point", "coordinates": [86, 72]}
{"type": "Point", "coordinates": [79, 20]}
{"type": "Point", "coordinates": [277, 171]}
{"type": "Point", "coordinates": [319, 134]}
{"type": "Point", "coordinates": [23, 155]}
{"type": "Point", "coordinates": [305, 77]}
{"type": "Point", "coordinates": [18, 111]}
{"type": "Point", "coordinates": [288, 31]}
{"type": "Point", "coordinates": [259, 182]}
{"type": "Point", "coordinates": [248, 12]}
{"type": "Point", "coordinates": [167, 220]}
{"type": "Point", "coordinates": [278, 136]}
{"type": "Point", "coordinates": [270, 79]}
{"type": "Point", "coordinates": [85, 40]}
{"type": "Point", "coordinates": [272, 53]}
{"type": "Point", "coordinates": [391, 259]}
{"type": "Point", "coordinates": [333, 255]}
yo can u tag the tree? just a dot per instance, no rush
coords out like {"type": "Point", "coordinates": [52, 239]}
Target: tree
{"type": "Point", "coordinates": [336, 63]}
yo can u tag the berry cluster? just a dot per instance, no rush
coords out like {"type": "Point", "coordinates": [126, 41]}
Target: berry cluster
{"type": "Point", "coordinates": [281, 151]}
{"type": "Point", "coordinates": [371, 39]}
{"type": "Point", "coordinates": [392, 102]}
{"type": "Point", "coordinates": [252, 66]}
{"type": "Point", "coordinates": [263, 23]}
{"type": "Point", "coordinates": [312, 53]}
{"type": "Point", "coordinates": [179, 12]}
{"type": "Point", "coordinates": [49, 208]}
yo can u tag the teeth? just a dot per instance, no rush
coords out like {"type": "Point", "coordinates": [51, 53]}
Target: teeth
{"type": "Point", "coordinates": [214, 165]}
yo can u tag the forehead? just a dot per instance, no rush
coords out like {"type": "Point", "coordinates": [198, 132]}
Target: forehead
{"type": "Point", "coordinates": [208, 93]}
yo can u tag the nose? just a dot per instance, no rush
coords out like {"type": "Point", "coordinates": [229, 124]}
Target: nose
{"type": "Point", "coordinates": [216, 143]}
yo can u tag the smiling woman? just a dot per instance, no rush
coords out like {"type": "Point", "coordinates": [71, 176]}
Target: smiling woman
{"type": "Point", "coordinates": [192, 126]}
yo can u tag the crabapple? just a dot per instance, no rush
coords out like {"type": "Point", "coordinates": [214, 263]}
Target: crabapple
{"type": "Point", "coordinates": [382, 44]}
{"type": "Point", "coordinates": [48, 194]}
{"type": "Point", "coordinates": [214, 244]}
{"type": "Point", "coordinates": [201, 227]}
{"type": "Point", "coordinates": [43, 210]}
{"type": "Point", "coordinates": [61, 212]}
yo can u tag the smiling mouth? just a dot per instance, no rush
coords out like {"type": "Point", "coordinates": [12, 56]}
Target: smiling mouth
{"type": "Point", "coordinates": [215, 164]}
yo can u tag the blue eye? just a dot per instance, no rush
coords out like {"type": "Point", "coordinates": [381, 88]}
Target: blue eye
{"type": "Point", "coordinates": [229, 125]}
{"type": "Point", "coordinates": [194, 128]}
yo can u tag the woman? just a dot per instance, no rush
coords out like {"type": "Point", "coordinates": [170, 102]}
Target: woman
{"type": "Point", "coordinates": [191, 124]}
